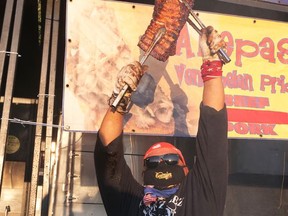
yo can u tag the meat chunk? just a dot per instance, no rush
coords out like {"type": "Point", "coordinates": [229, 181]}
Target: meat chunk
{"type": "Point", "coordinates": [172, 15]}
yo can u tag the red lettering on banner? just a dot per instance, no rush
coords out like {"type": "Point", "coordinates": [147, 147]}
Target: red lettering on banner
{"type": "Point", "coordinates": [246, 101]}
{"type": "Point", "coordinates": [183, 42]}
{"type": "Point", "coordinates": [241, 81]}
{"type": "Point", "coordinates": [191, 76]}
{"type": "Point", "coordinates": [267, 52]}
{"type": "Point", "coordinates": [273, 82]}
{"type": "Point", "coordinates": [252, 128]}
{"type": "Point", "coordinates": [240, 44]}
{"type": "Point", "coordinates": [266, 49]}
{"type": "Point", "coordinates": [282, 51]}
{"type": "Point", "coordinates": [231, 80]}
{"type": "Point", "coordinates": [243, 48]}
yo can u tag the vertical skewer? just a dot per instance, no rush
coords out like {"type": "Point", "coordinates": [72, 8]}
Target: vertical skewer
{"type": "Point", "coordinates": [157, 37]}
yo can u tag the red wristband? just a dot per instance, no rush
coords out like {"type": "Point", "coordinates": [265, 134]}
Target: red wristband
{"type": "Point", "coordinates": [211, 69]}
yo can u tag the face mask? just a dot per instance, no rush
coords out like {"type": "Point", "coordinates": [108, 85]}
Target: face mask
{"type": "Point", "coordinates": [163, 175]}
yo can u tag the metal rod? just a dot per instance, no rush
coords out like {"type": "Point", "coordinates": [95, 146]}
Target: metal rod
{"type": "Point", "coordinates": [192, 13]}
{"type": "Point", "coordinates": [157, 37]}
{"type": "Point", "coordinates": [31, 207]}
{"type": "Point", "coordinates": [194, 26]}
{"type": "Point", "coordinates": [15, 35]}
{"type": "Point", "coordinates": [221, 53]}
{"type": "Point", "coordinates": [50, 108]}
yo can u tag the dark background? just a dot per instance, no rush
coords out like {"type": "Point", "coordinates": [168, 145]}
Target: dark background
{"type": "Point", "coordinates": [258, 170]}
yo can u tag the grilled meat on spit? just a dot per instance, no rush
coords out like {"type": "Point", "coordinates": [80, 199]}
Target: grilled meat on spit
{"type": "Point", "coordinates": [172, 15]}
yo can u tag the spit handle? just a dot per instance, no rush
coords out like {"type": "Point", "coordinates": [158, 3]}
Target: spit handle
{"type": "Point", "coordinates": [157, 37]}
{"type": "Point", "coordinates": [221, 53]}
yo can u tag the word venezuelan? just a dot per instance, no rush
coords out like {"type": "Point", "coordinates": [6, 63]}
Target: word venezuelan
{"type": "Point", "coordinates": [233, 80]}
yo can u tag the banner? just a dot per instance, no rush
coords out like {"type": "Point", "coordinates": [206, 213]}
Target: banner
{"type": "Point", "coordinates": [102, 37]}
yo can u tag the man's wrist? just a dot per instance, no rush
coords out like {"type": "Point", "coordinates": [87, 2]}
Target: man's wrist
{"type": "Point", "coordinates": [211, 69]}
{"type": "Point", "coordinates": [124, 104]}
